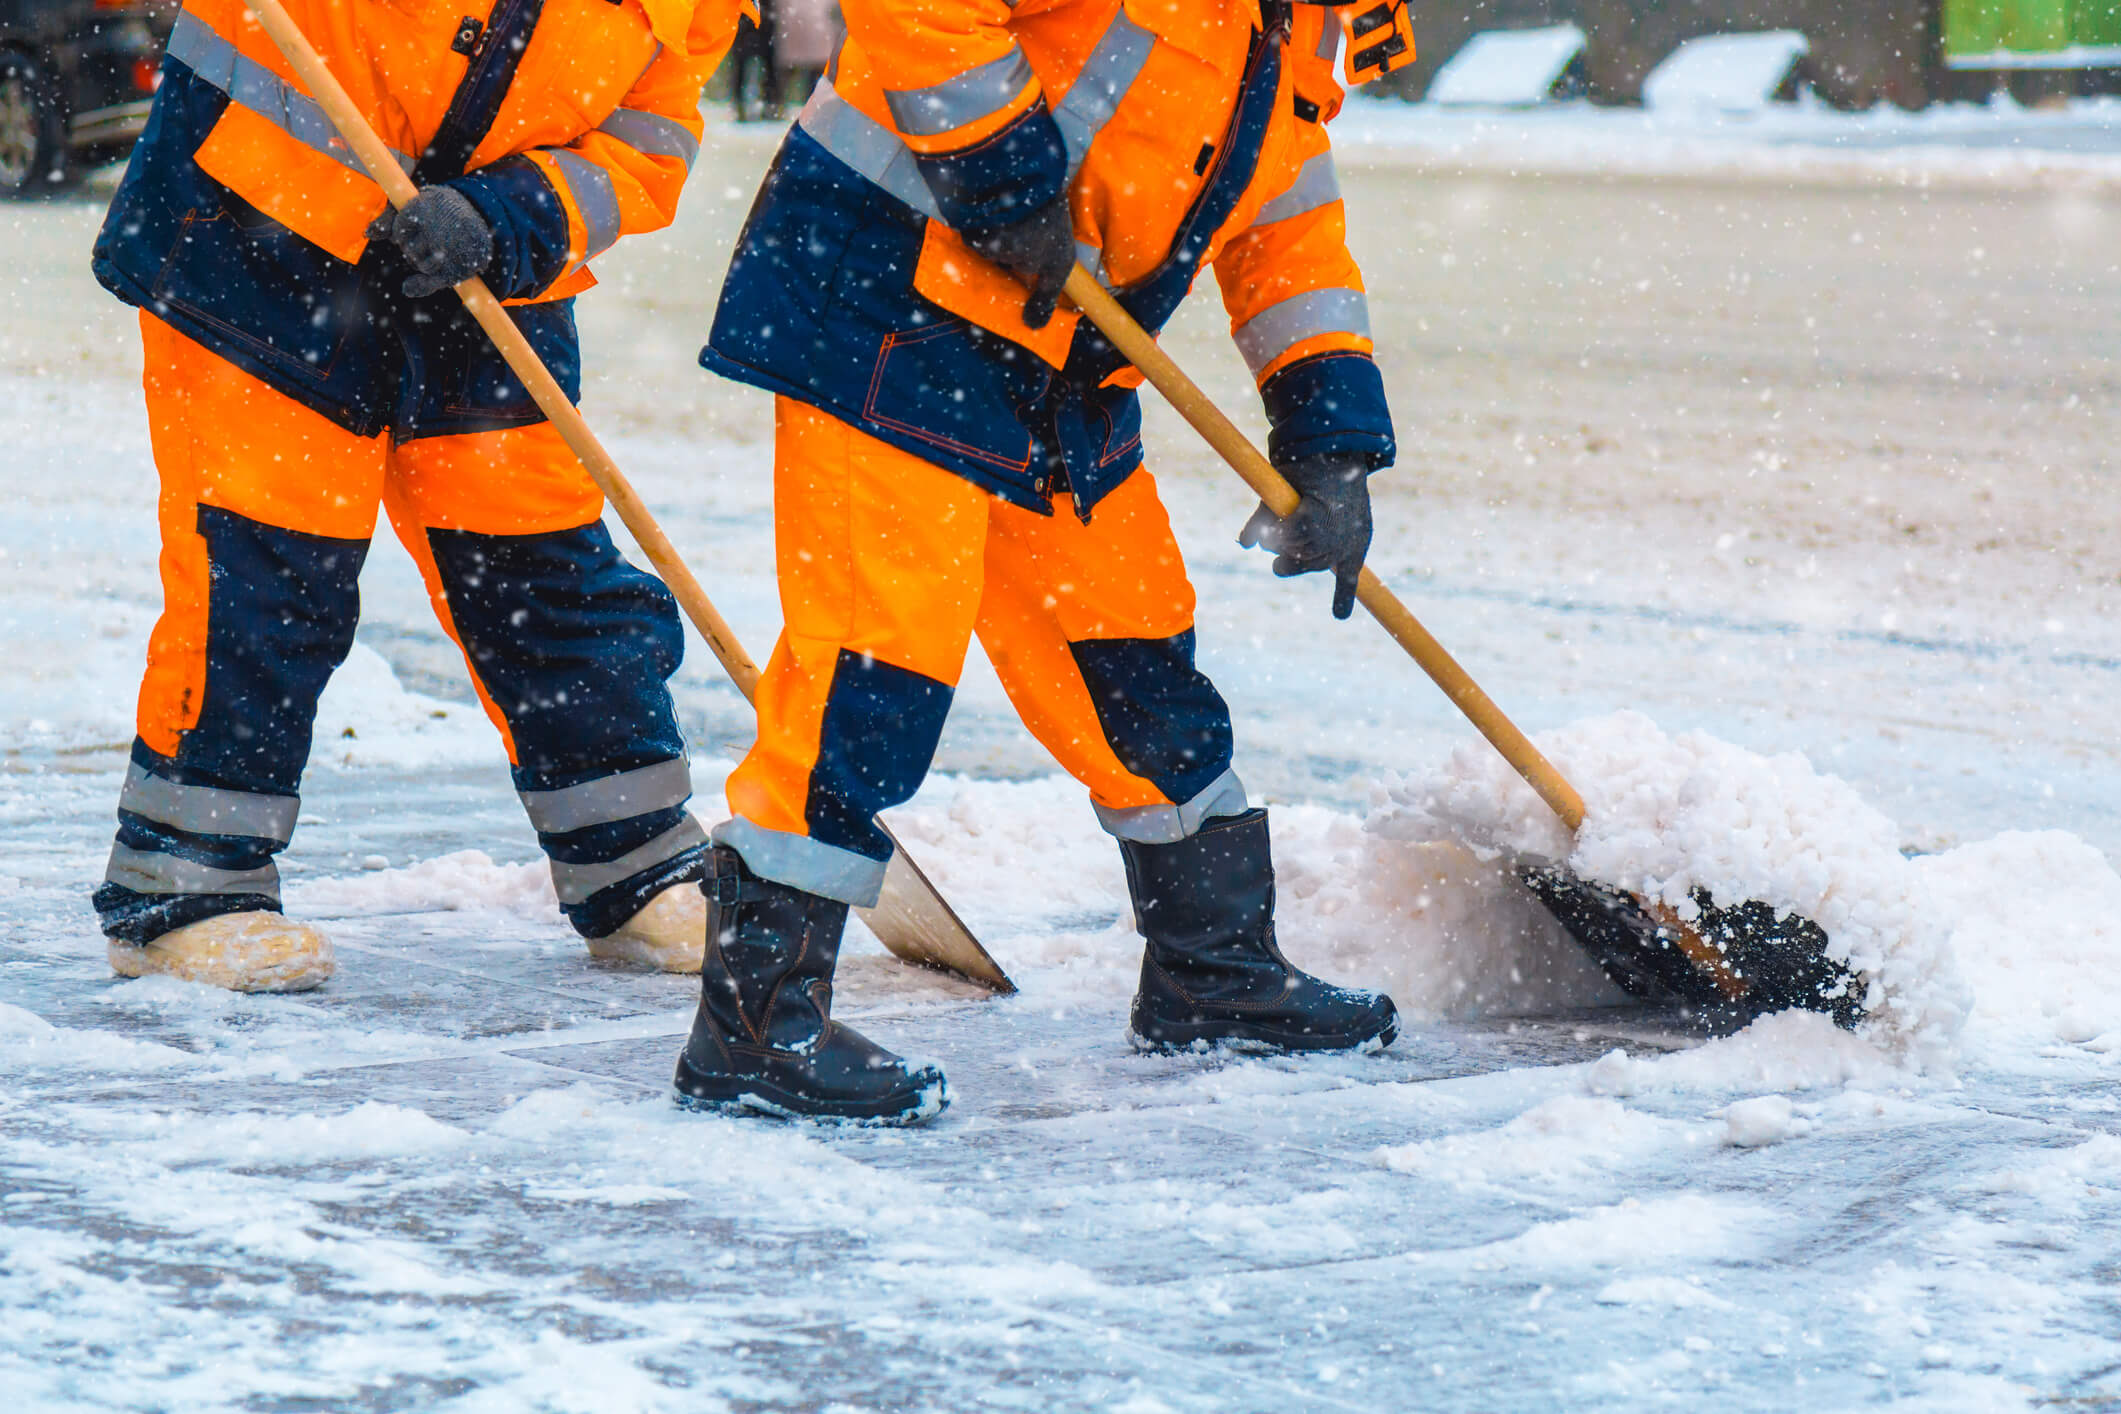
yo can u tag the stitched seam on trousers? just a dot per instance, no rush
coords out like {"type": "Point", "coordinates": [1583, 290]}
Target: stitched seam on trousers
{"type": "Point", "coordinates": [438, 599]}
{"type": "Point", "coordinates": [850, 612]}
{"type": "Point", "coordinates": [192, 702]}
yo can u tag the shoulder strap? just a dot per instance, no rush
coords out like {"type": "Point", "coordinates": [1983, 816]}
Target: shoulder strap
{"type": "Point", "coordinates": [478, 98]}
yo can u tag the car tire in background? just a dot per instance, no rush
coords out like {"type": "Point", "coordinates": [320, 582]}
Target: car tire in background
{"type": "Point", "coordinates": [33, 157]}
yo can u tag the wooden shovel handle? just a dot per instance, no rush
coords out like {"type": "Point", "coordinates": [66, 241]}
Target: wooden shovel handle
{"type": "Point", "coordinates": [522, 359]}
{"type": "Point", "coordinates": [1272, 487]}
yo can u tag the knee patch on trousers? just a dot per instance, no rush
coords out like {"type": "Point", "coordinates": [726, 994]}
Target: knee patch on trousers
{"type": "Point", "coordinates": [1165, 721]}
{"type": "Point", "coordinates": [880, 729]}
{"type": "Point", "coordinates": [570, 642]}
{"type": "Point", "coordinates": [280, 606]}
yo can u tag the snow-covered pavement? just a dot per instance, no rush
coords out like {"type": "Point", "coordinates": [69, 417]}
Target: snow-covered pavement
{"type": "Point", "coordinates": [1809, 461]}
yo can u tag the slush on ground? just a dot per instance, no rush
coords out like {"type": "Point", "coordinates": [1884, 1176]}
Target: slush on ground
{"type": "Point", "coordinates": [1767, 479]}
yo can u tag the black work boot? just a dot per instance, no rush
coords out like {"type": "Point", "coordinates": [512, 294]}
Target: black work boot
{"type": "Point", "coordinates": [764, 1038]}
{"type": "Point", "coordinates": [1213, 972]}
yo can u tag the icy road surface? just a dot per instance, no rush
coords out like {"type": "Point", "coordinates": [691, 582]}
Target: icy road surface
{"type": "Point", "coordinates": [1810, 460]}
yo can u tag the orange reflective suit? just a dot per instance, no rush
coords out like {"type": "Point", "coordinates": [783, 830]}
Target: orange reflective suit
{"type": "Point", "coordinates": [943, 469]}
{"type": "Point", "coordinates": [292, 388]}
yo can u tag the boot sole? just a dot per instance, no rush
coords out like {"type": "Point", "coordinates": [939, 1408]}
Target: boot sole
{"type": "Point", "coordinates": [730, 1096]}
{"type": "Point", "coordinates": [232, 969]}
{"type": "Point", "coordinates": [1235, 1036]}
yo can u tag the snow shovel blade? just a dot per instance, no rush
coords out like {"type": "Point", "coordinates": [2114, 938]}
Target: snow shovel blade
{"type": "Point", "coordinates": [912, 919]}
{"type": "Point", "coordinates": [1729, 965]}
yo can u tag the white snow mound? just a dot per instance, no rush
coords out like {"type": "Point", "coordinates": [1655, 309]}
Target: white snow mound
{"type": "Point", "coordinates": [1668, 815]}
{"type": "Point", "coordinates": [2036, 926]}
{"type": "Point", "coordinates": [366, 717]}
{"type": "Point", "coordinates": [467, 879]}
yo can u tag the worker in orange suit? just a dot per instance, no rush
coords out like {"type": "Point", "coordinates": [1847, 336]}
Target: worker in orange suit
{"type": "Point", "coordinates": [307, 362]}
{"type": "Point", "coordinates": [955, 456]}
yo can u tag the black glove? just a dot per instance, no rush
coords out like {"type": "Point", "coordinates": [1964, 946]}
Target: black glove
{"type": "Point", "coordinates": [1328, 530]}
{"type": "Point", "coordinates": [443, 237]}
{"type": "Point", "coordinates": [1038, 250]}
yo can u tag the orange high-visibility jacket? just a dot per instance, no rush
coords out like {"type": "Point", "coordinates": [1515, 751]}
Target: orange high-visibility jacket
{"type": "Point", "coordinates": [243, 216]}
{"type": "Point", "coordinates": [1185, 133]}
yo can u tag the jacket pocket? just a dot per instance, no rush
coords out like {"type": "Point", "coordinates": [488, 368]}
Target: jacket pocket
{"type": "Point", "coordinates": [962, 392]}
{"type": "Point", "coordinates": [263, 289]}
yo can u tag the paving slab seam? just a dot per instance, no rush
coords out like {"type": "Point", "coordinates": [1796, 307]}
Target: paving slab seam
{"type": "Point", "coordinates": [467, 973]}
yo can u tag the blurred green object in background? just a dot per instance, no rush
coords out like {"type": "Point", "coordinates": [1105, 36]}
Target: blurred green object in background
{"type": "Point", "coordinates": [2031, 34]}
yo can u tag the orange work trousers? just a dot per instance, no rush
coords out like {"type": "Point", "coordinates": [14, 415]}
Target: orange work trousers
{"type": "Point", "coordinates": [888, 566]}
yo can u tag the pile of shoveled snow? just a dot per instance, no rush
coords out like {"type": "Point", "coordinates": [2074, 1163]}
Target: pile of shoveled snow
{"type": "Point", "coordinates": [368, 718]}
{"type": "Point", "coordinates": [1445, 932]}
{"type": "Point", "coordinates": [2036, 930]}
{"type": "Point", "coordinates": [467, 879]}
{"type": "Point", "coordinates": [1668, 815]}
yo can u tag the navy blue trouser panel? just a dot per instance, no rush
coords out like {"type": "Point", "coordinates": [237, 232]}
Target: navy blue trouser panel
{"type": "Point", "coordinates": [572, 643]}
{"type": "Point", "coordinates": [881, 727]}
{"type": "Point", "coordinates": [280, 619]}
{"type": "Point", "coordinates": [1164, 719]}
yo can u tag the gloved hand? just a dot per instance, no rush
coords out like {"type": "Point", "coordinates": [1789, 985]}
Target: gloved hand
{"type": "Point", "coordinates": [1038, 250]}
{"type": "Point", "coordinates": [1328, 530]}
{"type": "Point", "coordinates": [443, 237]}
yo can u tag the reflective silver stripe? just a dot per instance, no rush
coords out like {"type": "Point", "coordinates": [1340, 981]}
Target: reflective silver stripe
{"type": "Point", "coordinates": [867, 146]}
{"type": "Point", "coordinates": [804, 863]}
{"type": "Point", "coordinates": [1329, 41]}
{"type": "Point", "coordinates": [594, 196]}
{"type": "Point", "coordinates": [1092, 259]}
{"type": "Point", "coordinates": [977, 93]}
{"type": "Point", "coordinates": [609, 799]}
{"type": "Point", "coordinates": [147, 872]}
{"type": "Point", "coordinates": [575, 883]}
{"type": "Point", "coordinates": [1315, 186]}
{"type": "Point", "coordinates": [1279, 327]}
{"type": "Point", "coordinates": [652, 133]}
{"type": "Point", "coordinates": [251, 85]}
{"type": "Point", "coordinates": [203, 810]}
{"type": "Point", "coordinates": [1168, 824]}
{"type": "Point", "coordinates": [1097, 91]}
{"type": "Point", "coordinates": [876, 152]}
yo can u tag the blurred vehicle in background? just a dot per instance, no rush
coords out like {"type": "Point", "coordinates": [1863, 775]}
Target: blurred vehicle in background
{"type": "Point", "coordinates": [76, 80]}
